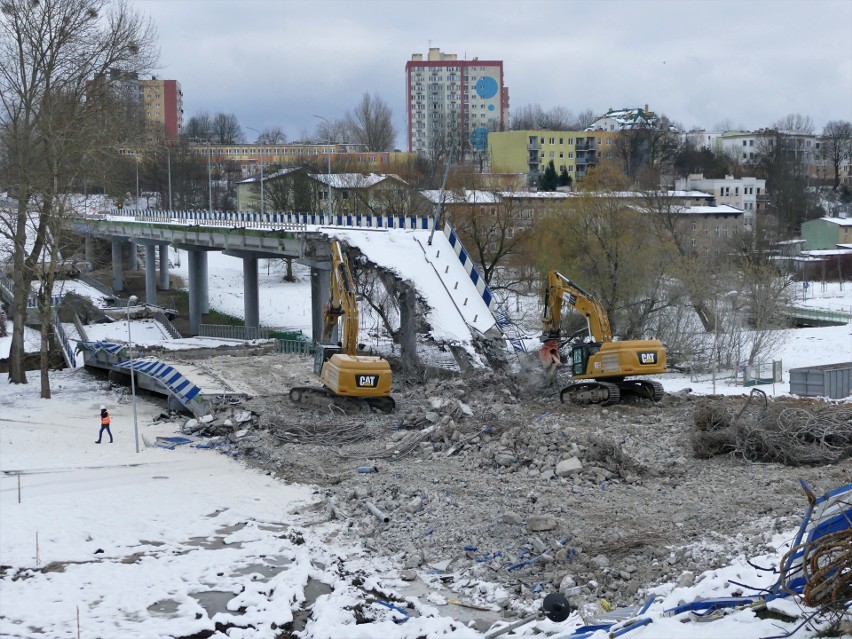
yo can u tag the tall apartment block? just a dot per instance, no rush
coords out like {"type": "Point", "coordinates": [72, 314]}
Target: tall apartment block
{"type": "Point", "coordinates": [454, 104]}
{"type": "Point", "coordinates": [163, 104]}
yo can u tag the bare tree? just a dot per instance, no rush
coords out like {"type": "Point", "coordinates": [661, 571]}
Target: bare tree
{"type": "Point", "coordinates": [495, 233]}
{"type": "Point", "coordinates": [794, 123]}
{"type": "Point", "coordinates": [371, 124]}
{"type": "Point", "coordinates": [781, 162]}
{"type": "Point", "coordinates": [837, 145]}
{"type": "Point", "coordinates": [199, 127]}
{"type": "Point", "coordinates": [585, 119]}
{"type": "Point", "coordinates": [533, 117]}
{"type": "Point", "coordinates": [55, 61]}
{"type": "Point", "coordinates": [647, 149]}
{"type": "Point", "coordinates": [333, 131]}
{"type": "Point", "coordinates": [272, 135]}
{"type": "Point", "coordinates": [226, 129]}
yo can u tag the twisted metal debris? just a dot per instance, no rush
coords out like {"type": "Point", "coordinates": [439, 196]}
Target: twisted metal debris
{"type": "Point", "coordinates": [783, 432]}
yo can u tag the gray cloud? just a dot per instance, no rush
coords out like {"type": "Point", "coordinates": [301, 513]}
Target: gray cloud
{"type": "Point", "coordinates": [279, 62]}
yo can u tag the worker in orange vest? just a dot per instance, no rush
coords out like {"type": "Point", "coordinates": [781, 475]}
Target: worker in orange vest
{"type": "Point", "coordinates": [105, 421]}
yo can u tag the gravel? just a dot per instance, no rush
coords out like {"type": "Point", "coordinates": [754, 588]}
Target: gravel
{"type": "Point", "coordinates": [482, 478]}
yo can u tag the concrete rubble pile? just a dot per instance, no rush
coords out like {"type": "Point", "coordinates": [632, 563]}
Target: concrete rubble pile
{"type": "Point", "coordinates": [472, 480]}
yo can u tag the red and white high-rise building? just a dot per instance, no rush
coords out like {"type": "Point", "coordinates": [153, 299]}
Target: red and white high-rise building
{"type": "Point", "coordinates": [453, 104]}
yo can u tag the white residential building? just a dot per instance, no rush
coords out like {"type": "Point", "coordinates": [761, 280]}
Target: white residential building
{"type": "Point", "coordinates": [453, 104]}
{"type": "Point", "coordinates": [740, 193]}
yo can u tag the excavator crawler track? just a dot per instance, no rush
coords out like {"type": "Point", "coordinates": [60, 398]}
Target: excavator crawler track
{"type": "Point", "coordinates": [319, 397]}
{"type": "Point", "coordinates": [646, 389]}
{"type": "Point", "coordinates": [591, 392]}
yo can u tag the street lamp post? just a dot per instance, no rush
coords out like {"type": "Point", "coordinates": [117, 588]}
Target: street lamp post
{"type": "Point", "coordinates": [329, 164]}
{"type": "Point", "coordinates": [132, 300]}
{"type": "Point", "coordinates": [261, 168]}
{"type": "Point", "coordinates": [136, 205]}
{"type": "Point", "coordinates": [169, 169]}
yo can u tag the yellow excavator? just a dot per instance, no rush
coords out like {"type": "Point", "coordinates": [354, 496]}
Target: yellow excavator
{"type": "Point", "coordinates": [350, 381]}
{"type": "Point", "coordinates": [601, 369]}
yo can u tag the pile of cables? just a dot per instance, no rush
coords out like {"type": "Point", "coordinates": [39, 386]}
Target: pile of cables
{"type": "Point", "coordinates": [826, 567]}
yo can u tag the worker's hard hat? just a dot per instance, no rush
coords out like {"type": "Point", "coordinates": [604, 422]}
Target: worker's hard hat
{"type": "Point", "coordinates": [103, 407]}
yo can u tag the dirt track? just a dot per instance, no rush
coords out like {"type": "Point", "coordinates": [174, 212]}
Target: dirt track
{"type": "Point", "coordinates": [465, 471]}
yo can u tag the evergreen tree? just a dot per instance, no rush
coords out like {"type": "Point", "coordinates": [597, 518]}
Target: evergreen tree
{"type": "Point", "coordinates": [564, 178]}
{"type": "Point", "coordinates": [549, 180]}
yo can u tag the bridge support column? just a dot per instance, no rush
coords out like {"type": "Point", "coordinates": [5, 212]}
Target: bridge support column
{"type": "Point", "coordinates": [251, 304]}
{"type": "Point", "coordinates": [132, 256]}
{"type": "Point", "coordinates": [164, 267]}
{"type": "Point", "coordinates": [408, 329]}
{"type": "Point", "coordinates": [195, 284]}
{"type": "Point", "coordinates": [320, 292]}
{"type": "Point", "coordinates": [150, 274]}
{"type": "Point", "coordinates": [117, 281]}
{"type": "Point", "coordinates": [205, 292]}
{"type": "Point", "coordinates": [89, 251]}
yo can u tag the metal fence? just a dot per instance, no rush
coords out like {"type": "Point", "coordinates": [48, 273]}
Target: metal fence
{"type": "Point", "coordinates": [62, 338]}
{"type": "Point", "coordinates": [282, 344]}
{"type": "Point", "coordinates": [170, 329]}
{"type": "Point", "coordinates": [296, 346]}
{"type": "Point", "coordinates": [95, 284]}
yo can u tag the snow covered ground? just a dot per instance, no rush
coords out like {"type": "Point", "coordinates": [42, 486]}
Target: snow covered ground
{"type": "Point", "coordinates": [102, 541]}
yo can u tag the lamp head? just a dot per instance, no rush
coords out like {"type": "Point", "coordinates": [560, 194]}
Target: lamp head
{"type": "Point", "coordinates": [132, 300]}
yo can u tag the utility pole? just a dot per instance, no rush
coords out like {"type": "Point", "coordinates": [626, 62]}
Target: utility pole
{"type": "Point", "coordinates": [261, 167]}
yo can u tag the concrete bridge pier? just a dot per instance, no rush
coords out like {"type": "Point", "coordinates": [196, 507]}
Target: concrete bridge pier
{"type": "Point", "coordinates": [164, 267]}
{"type": "Point", "coordinates": [89, 251]}
{"type": "Point", "coordinates": [132, 256]}
{"type": "Point", "coordinates": [117, 280]}
{"type": "Point", "coordinates": [320, 293]}
{"type": "Point", "coordinates": [251, 301]}
{"type": "Point", "coordinates": [196, 276]}
{"type": "Point", "coordinates": [205, 290]}
{"type": "Point", "coordinates": [150, 273]}
{"type": "Point", "coordinates": [408, 328]}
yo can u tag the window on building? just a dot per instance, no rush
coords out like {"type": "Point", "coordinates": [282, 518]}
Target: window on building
{"type": "Point", "coordinates": [561, 141]}
{"type": "Point", "coordinates": [553, 140]}
{"type": "Point", "coordinates": [561, 154]}
{"type": "Point", "coordinates": [744, 142]}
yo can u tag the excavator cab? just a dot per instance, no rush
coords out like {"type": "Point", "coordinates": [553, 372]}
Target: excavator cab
{"type": "Point", "coordinates": [323, 353]}
{"type": "Point", "coordinates": [580, 357]}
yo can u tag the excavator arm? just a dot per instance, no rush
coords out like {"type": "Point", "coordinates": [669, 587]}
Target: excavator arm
{"type": "Point", "coordinates": [342, 303]}
{"type": "Point", "coordinates": [560, 288]}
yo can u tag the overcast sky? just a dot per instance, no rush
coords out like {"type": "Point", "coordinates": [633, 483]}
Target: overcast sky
{"type": "Point", "coordinates": [700, 62]}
